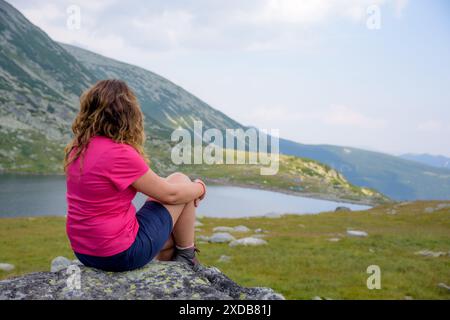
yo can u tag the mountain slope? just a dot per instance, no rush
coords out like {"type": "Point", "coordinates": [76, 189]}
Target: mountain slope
{"type": "Point", "coordinates": [398, 178]}
{"type": "Point", "coordinates": [428, 159]}
{"type": "Point", "coordinates": [160, 99]}
{"type": "Point", "coordinates": [40, 82]}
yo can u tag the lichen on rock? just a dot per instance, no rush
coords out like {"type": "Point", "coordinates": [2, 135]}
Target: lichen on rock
{"type": "Point", "coordinates": [156, 280]}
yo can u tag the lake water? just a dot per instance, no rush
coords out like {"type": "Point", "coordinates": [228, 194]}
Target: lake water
{"type": "Point", "coordinates": [45, 195]}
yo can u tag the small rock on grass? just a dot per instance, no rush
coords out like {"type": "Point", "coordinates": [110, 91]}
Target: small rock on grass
{"type": "Point", "coordinates": [429, 253]}
{"type": "Point", "coordinates": [6, 267]}
{"type": "Point", "coordinates": [259, 235]}
{"type": "Point", "coordinates": [249, 241]}
{"type": "Point", "coordinates": [223, 229]}
{"type": "Point", "coordinates": [202, 238]}
{"type": "Point", "coordinates": [221, 237]}
{"type": "Point", "coordinates": [272, 215]}
{"type": "Point", "coordinates": [357, 233]}
{"type": "Point", "coordinates": [391, 211]}
{"type": "Point", "coordinates": [443, 206]}
{"type": "Point", "coordinates": [444, 286]}
{"type": "Point", "coordinates": [241, 228]}
{"type": "Point", "coordinates": [224, 258]}
{"type": "Point", "coordinates": [59, 263]}
{"type": "Point", "coordinates": [259, 230]}
{"type": "Point", "coordinates": [334, 239]}
{"type": "Point", "coordinates": [198, 223]}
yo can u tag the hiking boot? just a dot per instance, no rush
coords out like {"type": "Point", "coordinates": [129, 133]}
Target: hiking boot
{"type": "Point", "coordinates": [187, 256]}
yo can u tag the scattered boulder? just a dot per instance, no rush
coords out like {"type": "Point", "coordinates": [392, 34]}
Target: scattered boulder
{"type": "Point", "coordinates": [342, 209]}
{"type": "Point", "coordinates": [441, 206]}
{"type": "Point", "coordinates": [224, 258]}
{"type": "Point", "coordinates": [7, 267]}
{"type": "Point", "coordinates": [59, 263]}
{"type": "Point", "coordinates": [231, 229]}
{"type": "Point", "coordinates": [259, 230]}
{"type": "Point", "coordinates": [241, 229]}
{"type": "Point", "coordinates": [156, 280]}
{"type": "Point", "coordinates": [221, 237]}
{"type": "Point", "coordinates": [405, 203]}
{"type": "Point", "coordinates": [249, 241]}
{"type": "Point", "coordinates": [202, 238]}
{"type": "Point", "coordinates": [197, 223]}
{"type": "Point", "coordinates": [334, 239]}
{"type": "Point", "coordinates": [391, 211]}
{"type": "Point", "coordinates": [259, 235]}
{"type": "Point", "coordinates": [431, 254]}
{"type": "Point", "coordinates": [321, 298]}
{"type": "Point", "coordinates": [444, 286]}
{"type": "Point", "coordinates": [272, 215]}
{"type": "Point", "coordinates": [223, 229]}
{"type": "Point", "coordinates": [438, 207]}
{"type": "Point", "coordinates": [357, 233]}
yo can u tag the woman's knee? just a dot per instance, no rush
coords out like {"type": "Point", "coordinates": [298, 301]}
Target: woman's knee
{"type": "Point", "coordinates": [178, 177]}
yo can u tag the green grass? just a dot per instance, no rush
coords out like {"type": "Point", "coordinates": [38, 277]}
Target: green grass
{"type": "Point", "coordinates": [298, 261]}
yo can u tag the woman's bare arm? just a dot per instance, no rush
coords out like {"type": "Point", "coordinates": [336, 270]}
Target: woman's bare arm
{"type": "Point", "coordinates": [160, 189]}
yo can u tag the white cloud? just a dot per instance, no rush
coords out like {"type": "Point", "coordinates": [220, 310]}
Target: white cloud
{"type": "Point", "coordinates": [430, 126]}
{"type": "Point", "coordinates": [256, 25]}
{"type": "Point", "coordinates": [310, 12]}
{"type": "Point", "coordinates": [344, 116]}
{"type": "Point", "coordinates": [334, 116]}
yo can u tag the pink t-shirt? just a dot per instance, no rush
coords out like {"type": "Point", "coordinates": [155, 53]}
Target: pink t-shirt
{"type": "Point", "coordinates": [101, 219]}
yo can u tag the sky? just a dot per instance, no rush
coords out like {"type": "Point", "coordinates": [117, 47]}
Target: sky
{"type": "Point", "coordinates": [372, 74]}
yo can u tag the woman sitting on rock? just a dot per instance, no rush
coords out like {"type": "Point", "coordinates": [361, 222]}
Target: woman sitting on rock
{"type": "Point", "coordinates": [105, 166]}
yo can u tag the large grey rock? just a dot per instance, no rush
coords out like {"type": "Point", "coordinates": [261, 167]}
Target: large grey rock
{"type": "Point", "coordinates": [157, 280]}
{"type": "Point", "coordinates": [221, 237]}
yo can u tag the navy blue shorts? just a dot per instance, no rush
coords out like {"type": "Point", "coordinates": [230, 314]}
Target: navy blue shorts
{"type": "Point", "coordinates": [155, 227]}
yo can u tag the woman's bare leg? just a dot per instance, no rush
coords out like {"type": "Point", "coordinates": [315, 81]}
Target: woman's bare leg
{"type": "Point", "coordinates": [183, 217]}
{"type": "Point", "coordinates": [167, 251]}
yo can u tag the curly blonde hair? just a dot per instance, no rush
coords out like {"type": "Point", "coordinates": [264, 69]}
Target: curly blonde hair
{"type": "Point", "coordinates": [110, 109]}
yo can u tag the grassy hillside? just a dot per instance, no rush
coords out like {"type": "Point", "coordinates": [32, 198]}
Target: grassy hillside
{"type": "Point", "coordinates": [398, 178]}
{"type": "Point", "coordinates": [299, 260]}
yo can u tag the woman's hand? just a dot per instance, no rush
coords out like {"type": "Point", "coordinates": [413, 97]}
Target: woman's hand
{"type": "Point", "coordinates": [197, 201]}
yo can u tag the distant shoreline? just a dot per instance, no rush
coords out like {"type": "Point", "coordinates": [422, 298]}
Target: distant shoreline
{"type": "Point", "coordinates": [317, 196]}
{"type": "Point", "coordinates": [224, 182]}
